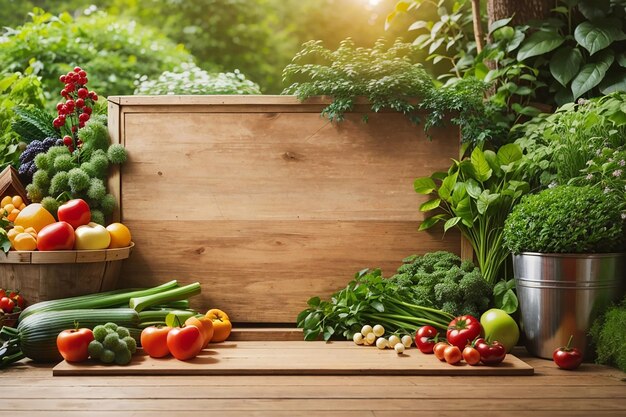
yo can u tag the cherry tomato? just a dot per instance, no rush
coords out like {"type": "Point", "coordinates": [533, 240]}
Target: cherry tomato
{"type": "Point", "coordinates": [471, 355]}
{"type": "Point", "coordinates": [185, 342]}
{"type": "Point", "coordinates": [452, 354]}
{"type": "Point", "coordinates": [73, 344]}
{"type": "Point", "coordinates": [567, 357]}
{"type": "Point", "coordinates": [463, 330]}
{"type": "Point", "coordinates": [439, 349]}
{"type": "Point", "coordinates": [76, 212]}
{"type": "Point", "coordinates": [154, 341]}
{"type": "Point", "coordinates": [56, 236]}
{"type": "Point", "coordinates": [490, 353]}
{"type": "Point", "coordinates": [7, 305]}
{"type": "Point", "coordinates": [19, 300]}
{"type": "Point", "coordinates": [425, 338]}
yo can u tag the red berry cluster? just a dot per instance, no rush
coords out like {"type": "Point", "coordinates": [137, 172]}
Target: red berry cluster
{"type": "Point", "coordinates": [76, 111]}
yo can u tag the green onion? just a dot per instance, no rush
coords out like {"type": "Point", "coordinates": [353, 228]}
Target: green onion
{"type": "Point", "coordinates": [143, 302]}
{"type": "Point", "coordinates": [94, 301]}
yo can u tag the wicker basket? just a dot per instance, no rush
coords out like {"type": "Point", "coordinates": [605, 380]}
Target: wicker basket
{"type": "Point", "coordinates": [50, 275]}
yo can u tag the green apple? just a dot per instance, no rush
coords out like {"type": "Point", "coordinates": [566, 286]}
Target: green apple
{"type": "Point", "coordinates": [498, 325]}
{"type": "Point", "coordinates": [92, 236]}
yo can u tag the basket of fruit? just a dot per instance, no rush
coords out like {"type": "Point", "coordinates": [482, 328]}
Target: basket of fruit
{"type": "Point", "coordinates": [51, 259]}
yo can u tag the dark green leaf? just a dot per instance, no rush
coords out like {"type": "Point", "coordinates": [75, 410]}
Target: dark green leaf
{"type": "Point", "coordinates": [621, 59]}
{"type": "Point", "coordinates": [596, 36]}
{"type": "Point", "coordinates": [378, 306]}
{"type": "Point", "coordinates": [565, 64]}
{"type": "Point", "coordinates": [614, 81]}
{"type": "Point", "coordinates": [473, 188]}
{"type": "Point", "coordinates": [464, 211]}
{"type": "Point", "coordinates": [594, 9]}
{"type": "Point", "coordinates": [509, 302]}
{"type": "Point", "coordinates": [485, 200]}
{"type": "Point", "coordinates": [328, 332]}
{"type": "Point", "coordinates": [431, 221]}
{"type": "Point", "coordinates": [311, 334]}
{"type": "Point", "coordinates": [492, 160]}
{"type": "Point", "coordinates": [539, 43]}
{"type": "Point", "coordinates": [314, 301]}
{"type": "Point", "coordinates": [592, 74]}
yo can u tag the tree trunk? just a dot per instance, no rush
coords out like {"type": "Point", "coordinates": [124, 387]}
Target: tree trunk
{"type": "Point", "coordinates": [522, 11]}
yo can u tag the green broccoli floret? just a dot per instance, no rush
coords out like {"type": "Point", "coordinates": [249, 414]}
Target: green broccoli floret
{"type": "Point", "coordinates": [448, 290]}
{"type": "Point", "coordinates": [452, 308]}
{"type": "Point", "coordinates": [475, 290]}
{"type": "Point", "coordinates": [423, 296]}
{"type": "Point", "coordinates": [468, 266]}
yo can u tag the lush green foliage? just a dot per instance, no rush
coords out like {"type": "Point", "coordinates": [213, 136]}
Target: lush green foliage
{"type": "Point", "coordinates": [476, 194]}
{"type": "Point", "coordinates": [575, 141]}
{"type": "Point", "coordinates": [388, 76]}
{"type": "Point", "coordinates": [609, 337]}
{"type": "Point", "coordinates": [368, 299]}
{"type": "Point", "coordinates": [583, 48]}
{"type": "Point", "coordinates": [565, 219]}
{"type": "Point", "coordinates": [114, 50]}
{"type": "Point", "coordinates": [189, 79]}
{"type": "Point", "coordinates": [441, 280]}
{"type": "Point", "coordinates": [16, 90]}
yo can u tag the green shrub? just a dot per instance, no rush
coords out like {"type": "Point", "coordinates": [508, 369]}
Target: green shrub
{"type": "Point", "coordinates": [189, 79]}
{"type": "Point", "coordinates": [113, 50]}
{"type": "Point", "coordinates": [609, 337]}
{"type": "Point", "coordinates": [565, 219]}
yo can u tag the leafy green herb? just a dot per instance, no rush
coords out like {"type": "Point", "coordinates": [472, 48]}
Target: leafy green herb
{"type": "Point", "coordinates": [369, 298]}
{"type": "Point", "coordinates": [475, 195]}
{"type": "Point", "coordinates": [566, 219]}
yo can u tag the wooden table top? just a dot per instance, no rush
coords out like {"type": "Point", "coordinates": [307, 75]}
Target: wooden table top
{"type": "Point", "coordinates": [592, 390]}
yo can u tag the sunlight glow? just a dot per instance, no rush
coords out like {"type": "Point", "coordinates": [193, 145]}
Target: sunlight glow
{"type": "Point", "coordinates": [373, 2]}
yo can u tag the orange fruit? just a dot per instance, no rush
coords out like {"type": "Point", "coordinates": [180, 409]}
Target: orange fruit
{"type": "Point", "coordinates": [6, 200]}
{"type": "Point", "coordinates": [17, 201]}
{"type": "Point", "coordinates": [120, 235]}
{"type": "Point", "coordinates": [35, 216]}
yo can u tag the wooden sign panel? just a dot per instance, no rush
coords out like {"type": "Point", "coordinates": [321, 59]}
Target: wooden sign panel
{"type": "Point", "coordinates": [265, 202]}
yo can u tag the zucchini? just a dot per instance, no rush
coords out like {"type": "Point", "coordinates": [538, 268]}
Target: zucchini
{"type": "Point", "coordinates": [37, 333]}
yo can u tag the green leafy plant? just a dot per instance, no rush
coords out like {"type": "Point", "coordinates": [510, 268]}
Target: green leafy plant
{"type": "Point", "coordinates": [583, 48]}
{"type": "Point", "coordinates": [448, 37]}
{"type": "Point", "coordinates": [114, 48]}
{"type": "Point", "coordinates": [475, 196]}
{"type": "Point", "coordinates": [369, 298]}
{"type": "Point", "coordinates": [565, 219]}
{"type": "Point", "coordinates": [567, 146]}
{"type": "Point", "coordinates": [441, 280]}
{"type": "Point", "coordinates": [190, 79]}
{"type": "Point", "coordinates": [389, 77]}
{"type": "Point", "coordinates": [23, 90]}
{"type": "Point", "coordinates": [609, 338]}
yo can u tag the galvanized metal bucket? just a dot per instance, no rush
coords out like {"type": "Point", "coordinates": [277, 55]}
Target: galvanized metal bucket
{"type": "Point", "coordinates": [561, 294]}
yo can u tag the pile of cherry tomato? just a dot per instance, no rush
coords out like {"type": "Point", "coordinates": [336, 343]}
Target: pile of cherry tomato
{"type": "Point", "coordinates": [462, 342]}
{"type": "Point", "coordinates": [11, 303]}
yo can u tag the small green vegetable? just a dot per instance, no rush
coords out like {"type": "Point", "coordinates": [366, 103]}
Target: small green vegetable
{"type": "Point", "coordinates": [609, 337]}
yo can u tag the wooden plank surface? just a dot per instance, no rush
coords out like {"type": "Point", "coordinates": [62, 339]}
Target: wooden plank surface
{"type": "Point", "coordinates": [294, 358]}
{"type": "Point", "coordinates": [267, 208]}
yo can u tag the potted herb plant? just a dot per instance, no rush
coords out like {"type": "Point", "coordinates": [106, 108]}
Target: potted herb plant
{"type": "Point", "coordinates": [568, 261]}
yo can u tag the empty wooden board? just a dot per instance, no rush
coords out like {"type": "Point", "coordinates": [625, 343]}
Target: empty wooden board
{"type": "Point", "coordinates": [295, 358]}
{"type": "Point", "coordinates": [265, 202]}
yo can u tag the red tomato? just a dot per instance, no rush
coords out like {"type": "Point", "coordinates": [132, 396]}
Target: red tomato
{"type": "Point", "coordinates": [463, 330]}
{"type": "Point", "coordinates": [425, 339]}
{"type": "Point", "coordinates": [19, 300]}
{"type": "Point", "coordinates": [154, 341]}
{"type": "Point", "coordinates": [73, 344]}
{"type": "Point", "coordinates": [3, 292]}
{"type": "Point", "coordinates": [567, 357]}
{"type": "Point", "coordinates": [452, 355]}
{"type": "Point", "coordinates": [185, 342]}
{"type": "Point", "coordinates": [491, 353]}
{"type": "Point", "coordinates": [75, 212]}
{"type": "Point", "coordinates": [56, 236]}
{"type": "Point", "coordinates": [7, 305]}
{"type": "Point", "coordinates": [439, 349]}
{"type": "Point", "coordinates": [471, 355]}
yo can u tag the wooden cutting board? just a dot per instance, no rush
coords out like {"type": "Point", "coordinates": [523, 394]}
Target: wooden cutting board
{"type": "Point", "coordinates": [294, 358]}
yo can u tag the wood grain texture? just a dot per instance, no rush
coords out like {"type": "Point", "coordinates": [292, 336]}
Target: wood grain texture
{"type": "Point", "coordinates": [265, 202]}
{"type": "Point", "coordinates": [295, 358]}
